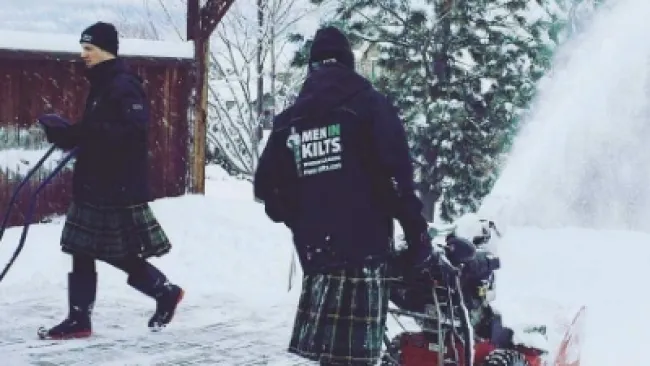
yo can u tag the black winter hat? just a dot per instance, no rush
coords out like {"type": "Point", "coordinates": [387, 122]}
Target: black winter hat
{"type": "Point", "coordinates": [330, 43]}
{"type": "Point", "coordinates": [102, 35]}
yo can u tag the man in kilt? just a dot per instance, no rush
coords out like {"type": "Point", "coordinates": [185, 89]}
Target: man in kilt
{"type": "Point", "coordinates": [336, 170]}
{"type": "Point", "coordinates": [109, 218]}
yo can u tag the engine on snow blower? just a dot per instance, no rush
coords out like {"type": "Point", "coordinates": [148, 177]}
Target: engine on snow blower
{"type": "Point", "coordinates": [457, 325]}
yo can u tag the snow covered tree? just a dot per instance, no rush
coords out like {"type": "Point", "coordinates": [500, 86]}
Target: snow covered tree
{"type": "Point", "coordinates": [245, 88]}
{"type": "Point", "coordinates": [462, 74]}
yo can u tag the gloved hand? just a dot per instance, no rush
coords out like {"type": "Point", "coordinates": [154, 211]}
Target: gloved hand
{"type": "Point", "coordinates": [54, 127]}
{"type": "Point", "coordinates": [60, 132]}
{"type": "Point", "coordinates": [420, 250]}
{"type": "Point", "coordinates": [426, 256]}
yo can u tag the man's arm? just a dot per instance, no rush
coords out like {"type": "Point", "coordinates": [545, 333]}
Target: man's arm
{"type": "Point", "coordinates": [131, 117]}
{"type": "Point", "coordinates": [395, 160]}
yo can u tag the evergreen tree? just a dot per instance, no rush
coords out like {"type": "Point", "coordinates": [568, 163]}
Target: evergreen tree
{"type": "Point", "coordinates": [462, 73]}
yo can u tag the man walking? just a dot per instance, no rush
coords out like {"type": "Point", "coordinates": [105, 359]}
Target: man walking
{"type": "Point", "coordinates": [109, 218]}
{"type": "Point", "coordinates": [336, 170]}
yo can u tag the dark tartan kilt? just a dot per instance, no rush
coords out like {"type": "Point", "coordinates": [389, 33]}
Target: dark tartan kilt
{"type": "Point", "coordinates": [113, 232]}
{"type": "Point", "coordinates": [341, 316]}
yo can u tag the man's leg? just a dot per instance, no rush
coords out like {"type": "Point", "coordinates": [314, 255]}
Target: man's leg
{"type": "Point", "coordinates": [149, 280]}
{"type": "Point", "coordinates": [82, 288]}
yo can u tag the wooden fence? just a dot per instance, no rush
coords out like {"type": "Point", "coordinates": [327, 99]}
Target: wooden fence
{"type": "Point", "coordinates": [33, 83]}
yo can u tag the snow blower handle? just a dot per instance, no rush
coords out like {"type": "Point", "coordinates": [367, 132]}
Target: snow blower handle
{"type": "Point", "coordinates": [50, 120]}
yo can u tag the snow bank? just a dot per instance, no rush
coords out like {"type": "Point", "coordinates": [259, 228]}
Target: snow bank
{"type": "Point", "coordinates": [548, 275]}
{"type": "Point", "coordinates": [69, 43]}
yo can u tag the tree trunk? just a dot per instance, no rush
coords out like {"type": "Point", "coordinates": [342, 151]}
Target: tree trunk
{"type": "Point", "coordinates": [429, 199]}
{"type": "Point", "coordinates": [260, 66]}
{"type": "Point", "coordinates": [273, 71]}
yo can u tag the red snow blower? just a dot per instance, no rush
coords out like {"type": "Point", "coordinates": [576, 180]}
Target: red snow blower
{"type": "Point", "coordinates": [457, 326]}
{"type": "Point", "coordinates": [46, 123]}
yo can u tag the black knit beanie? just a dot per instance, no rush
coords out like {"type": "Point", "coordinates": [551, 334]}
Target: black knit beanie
{"type": "Point", "coordinates": [331, 43]}
{"type": "Point", "coordinates": [102, 35]}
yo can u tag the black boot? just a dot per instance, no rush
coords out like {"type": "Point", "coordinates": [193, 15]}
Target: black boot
{"type": "Point", "coordinates": [82, 289]}
{"type": "Point", "coordinates": [154, 284]}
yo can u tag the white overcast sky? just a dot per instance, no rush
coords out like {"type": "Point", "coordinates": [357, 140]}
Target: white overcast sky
{"type": "Point", "coordinates": [72, 16]}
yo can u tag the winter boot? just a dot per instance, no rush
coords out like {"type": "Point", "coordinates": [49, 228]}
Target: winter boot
{"type": "Point", "coordinates": [82, 289]}
{"type": "Point", "coordinates": [154, 284]}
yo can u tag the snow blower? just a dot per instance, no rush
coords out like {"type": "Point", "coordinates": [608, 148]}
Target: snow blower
{"type": "Point", "coordinates": [33, 198]}
{"type": "Point", "coordinates": [457, 327]}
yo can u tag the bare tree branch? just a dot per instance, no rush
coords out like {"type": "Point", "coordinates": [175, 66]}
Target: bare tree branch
{"type": "Point", "coordinates": [232, 114]}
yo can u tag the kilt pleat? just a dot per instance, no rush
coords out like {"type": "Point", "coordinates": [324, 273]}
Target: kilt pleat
{"type": "Point", "coordinates": [113, 232]}
{"type": "Point", "coordinates": [341, 316]}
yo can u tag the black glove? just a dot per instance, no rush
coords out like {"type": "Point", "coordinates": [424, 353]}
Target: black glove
{"type": "Point", "coordinates": [420, 250]}
{"type": "Point", "coordinates": [60, 132]}
{"type": "Point", "coordinates": [426, 256]}
{"type": "Point", "coordinates": [55, 127]}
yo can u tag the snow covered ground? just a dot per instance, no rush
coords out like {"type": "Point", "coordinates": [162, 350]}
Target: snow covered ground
{"type": "Point", "coordinates": [234, 263]}
{"type": "Point", "coordinates": [231, 261]}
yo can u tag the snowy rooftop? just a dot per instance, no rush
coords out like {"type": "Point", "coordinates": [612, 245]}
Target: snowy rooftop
{"type": "Point", "coordinates": [69, 43]}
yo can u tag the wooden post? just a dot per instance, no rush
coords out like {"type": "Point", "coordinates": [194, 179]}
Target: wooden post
{"type": "Point", "coordinates": [201, 22]}
{"type": "Point", "coordinates": [201, 47]}
{"type": "Point", "coordinates": [197, 148]}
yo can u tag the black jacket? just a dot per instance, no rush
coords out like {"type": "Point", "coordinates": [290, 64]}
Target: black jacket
{"type": "Point", "coordinates": [111, 167]}
{"type": "Point", "coordinates": [349, 178]}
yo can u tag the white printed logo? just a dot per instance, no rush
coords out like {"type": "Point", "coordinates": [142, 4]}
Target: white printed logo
{"type": "Point", "coordinates": [316, 150]}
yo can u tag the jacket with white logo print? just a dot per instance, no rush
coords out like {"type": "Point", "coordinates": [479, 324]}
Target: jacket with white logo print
{"type": "Point", "coordinates": [336, 170]}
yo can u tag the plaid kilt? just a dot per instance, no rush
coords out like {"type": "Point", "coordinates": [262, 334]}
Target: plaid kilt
{"type": "Point", "coordinates": [341, 316]}
{"type": "Point", "coordinates": [113, 232]}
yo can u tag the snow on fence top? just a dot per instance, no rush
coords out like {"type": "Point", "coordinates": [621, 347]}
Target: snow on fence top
{"type": "Point", "coordinates": [69, 43]}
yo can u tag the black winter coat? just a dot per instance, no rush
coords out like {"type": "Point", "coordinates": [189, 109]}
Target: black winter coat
{"type": "Point", "coordinates": [111, 167]}
{"type": "Point", "coordinates": [336, 170]}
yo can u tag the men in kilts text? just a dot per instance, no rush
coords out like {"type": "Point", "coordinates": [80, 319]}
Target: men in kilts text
{"type": "Point", "coordinates": [109, 218]}
{"type": "Point", "coordinates": [336, 170]}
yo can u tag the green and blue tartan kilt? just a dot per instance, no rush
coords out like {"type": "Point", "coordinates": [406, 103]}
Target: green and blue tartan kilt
{"type": "Point", "coordinates": [107, 233]}
{"type": "Point", "coordinates": [341, 316]}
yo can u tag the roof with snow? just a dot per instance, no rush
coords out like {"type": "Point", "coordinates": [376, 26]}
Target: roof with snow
{"type": "Point", "coordinates": [69, 44]}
